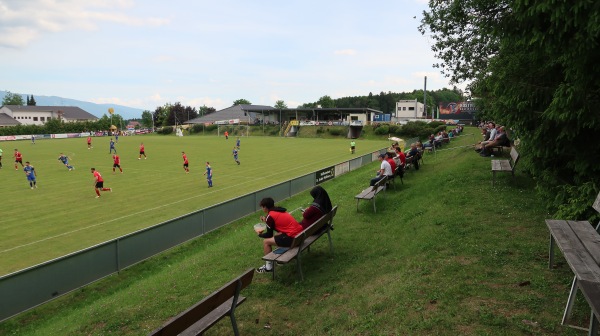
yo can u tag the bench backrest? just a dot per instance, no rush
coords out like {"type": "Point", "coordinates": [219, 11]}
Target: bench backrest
{"type": "Point", "coordinates": [186, 319]}
{"type": "Point", "coordinates": [380, 183]}
{"type": "Point", "coordinates": [514, 155]}
{"type": "Point", "coordinates": [314, 227]}
{"type": "Point", "coordinates": [596, 205]}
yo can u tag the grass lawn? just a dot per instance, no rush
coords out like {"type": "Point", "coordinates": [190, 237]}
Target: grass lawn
{"type": "Point", "coordinates": [62, 215]}
{"type": "Point", "coordinates": [445, 254]}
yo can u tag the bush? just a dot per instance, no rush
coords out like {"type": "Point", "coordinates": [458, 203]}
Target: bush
{"type": "Point", "coordinates": [382, 130]}
{"type": "Point", "coordinates": [335, 131]}
{"type": "Point", "coordinates": [197, 128]}
{"type": "Point", "coordinates": [211, 128]}
{"type": "Point", "coordinates": [166, 130]}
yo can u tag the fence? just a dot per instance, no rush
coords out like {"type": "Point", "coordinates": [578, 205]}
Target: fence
{"type": "Point", "coordinates": [31, 287]}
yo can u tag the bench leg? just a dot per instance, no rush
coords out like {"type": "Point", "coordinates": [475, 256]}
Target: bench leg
{"type": "Point", "coordinates": [299, 266]}
{"type": "Point", "coordinates": [233, 306]}
{"type": "Point", "coordinates": [357, 200]}
{"type": "Point", "coordinates": [374, 207]}
{"type": "Point", "coordinates": [570, 302]}
{"type": "Point", "coordinates": [551, 253]}
{"type": "Point", "coordinates": [593, 325]}
{"type": "Point", "coordinates": [330, 242]}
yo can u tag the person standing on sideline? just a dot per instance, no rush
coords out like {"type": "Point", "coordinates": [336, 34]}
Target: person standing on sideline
{"type": "Point", "coordinates": [65, 160]}
{"type": "Point", "coordinates": [352, 146]}
{"type": "Point", "coordinates": [112, 147]}
{"type": "Point", "coordinates": [33, 139]}
{"type": "Point", "coordinates": [235, 155]}
{"type": "Point", "coordinates": [142, 152]}
{"type": "Point", "coordinates": [117, 137]}
{"type": "Point", "coordinates": [30, 173]}
{"type": "Point", "coordinates": [186, 164]}
{"type": "Point", "coordinates": [99, 183]}
{"type": "Point", "coordinates": [89, 142]}
{"type": "Point", "coordinates": [279, 220]}
{"type": "Point", "coordinates": [117, 163]}
{"type": "Point", "coordinates": [208, 174]}
{"type": "Point", "coordinates": [237, 143]}
{"type": "Point", "coordinates": [0, 158]}
{"type": "Point", "coordinates": [18, 159]}
{"type": "Point", "coordinates": [226, 135]}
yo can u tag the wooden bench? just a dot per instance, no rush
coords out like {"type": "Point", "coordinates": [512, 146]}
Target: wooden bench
{"type": "Point", "coordinates": [371, 192]}
{"type": "Point", "coordinates": [303, 241]}
{"type": "Point", "coordinates": [580, 244]}
{"type": "Point", "coordinates": [506, 166]}
{"type": "Point", "coordinates": [398, 173]}
{"type": "Point", "coordinates": [206, 313]}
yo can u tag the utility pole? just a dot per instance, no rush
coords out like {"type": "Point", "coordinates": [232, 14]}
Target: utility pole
{"type": "Point", "coordinates": [425, 97]}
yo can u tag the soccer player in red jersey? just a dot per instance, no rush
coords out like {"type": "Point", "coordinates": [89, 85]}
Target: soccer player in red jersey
{"type": "Point", "coordinates": [185, 163]}
{"type": "Point", "coordinates": [18, 159]}
{"type": "Point", "coordinates": [117, 163]}
{"type": "Point", "coordinates": [99, 183]}
{"type": "Point", "coordinates": [142, 152]}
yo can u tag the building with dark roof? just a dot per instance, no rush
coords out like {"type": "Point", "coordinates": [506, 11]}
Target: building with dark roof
{"type": "Point", "coordinates": [252, 114]}
{"type": "Point", "coordinates": [38, 115]}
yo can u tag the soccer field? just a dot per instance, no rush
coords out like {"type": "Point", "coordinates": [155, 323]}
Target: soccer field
{"type": "Point", "coordinates": [63, 214]}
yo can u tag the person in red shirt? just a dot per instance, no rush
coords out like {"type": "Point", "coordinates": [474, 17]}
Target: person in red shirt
{"type": "Point", "coordinates": [279, 220]}
{"type": "Point", "coordinates": [89, 142]}
{"type": "Point", "coordinates": [226, 135]}
{"type": "Point", "coordinates": [117, 163]}
{"type": "Point", "coordinates": [18, 159]}
{"type": "Point", "coordinates": [99, 183]}
{"type": "Point", "coordinates": [390, 160]}
{"type": "Point", "coordinates": [142, 152]}
{"type": "Point", "coordinates": [185, 163]}
{"type": "Point", "coordinates": [401, 156]}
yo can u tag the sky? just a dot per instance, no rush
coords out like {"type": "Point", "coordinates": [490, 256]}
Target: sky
{"type": "Point", "coordinates": [144, 54]}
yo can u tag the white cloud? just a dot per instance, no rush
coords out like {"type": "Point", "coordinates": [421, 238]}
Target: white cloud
{"type": "Point", "coordinates": [21, 22]}
{"type": "Point", "coordinates": [347, 52]}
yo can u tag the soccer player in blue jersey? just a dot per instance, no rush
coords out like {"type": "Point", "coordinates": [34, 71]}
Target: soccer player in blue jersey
{"type": "Point", "coordinates": [237, 143]}
{"type": "Point", "coordinates": [112, 147]}
{"type": "Point", "coordinates": [235, 155]}
{"type": "Point", "coordinates": [65, 160]}
{"type": "Point", "coordinates": [30, 173]}
{"type": "Point", "coordinates": [208, 174]}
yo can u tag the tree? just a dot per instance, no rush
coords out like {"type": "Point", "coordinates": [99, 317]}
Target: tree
{"type": "Point", "coordinates": [242, 102]}
{"type": "Point", "coordinates": [147, 119]}
{"type": "Point", "coordinates": [534, 66]}
{"type": "Point", "coordinates": [326, 102]}
{"type": "Point", "coordinates": [280, 104]}
{"type": "Point", "coordinates": [12, 99]}
{"type": "Point", "coordinates": [204, 110]}
{"type": "Point", "coordinates": [31, 101]}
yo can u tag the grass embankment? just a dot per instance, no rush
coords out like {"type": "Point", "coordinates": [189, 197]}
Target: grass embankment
{"type": "Point", "coordinates": [445, 254]}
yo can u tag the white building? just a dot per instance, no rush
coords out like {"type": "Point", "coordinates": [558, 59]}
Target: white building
{"type": "Point", "coordinates": [409, 109]}
{"type": "Point", "coordinates": [38, 115]}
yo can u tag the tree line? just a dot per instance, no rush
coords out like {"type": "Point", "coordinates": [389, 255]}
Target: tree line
{"type": "Point", "coordinates": [534, 66]}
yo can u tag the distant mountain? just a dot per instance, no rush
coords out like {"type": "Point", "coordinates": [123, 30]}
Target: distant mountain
{"type": "Point", "coordinates": [96, 109]}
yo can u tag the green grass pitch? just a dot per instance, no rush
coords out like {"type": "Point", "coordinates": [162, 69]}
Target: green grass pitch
{"type": "Point", "coordinates": [62, 215]}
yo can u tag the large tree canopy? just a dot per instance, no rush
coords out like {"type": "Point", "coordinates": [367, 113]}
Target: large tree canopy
{"type": "Point", "coordinates": [12, 99]}
{"type": "Point", "coordinates": [534, 64]}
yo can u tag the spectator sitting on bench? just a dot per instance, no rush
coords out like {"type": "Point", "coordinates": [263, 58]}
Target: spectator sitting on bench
{"type": "Point", "coordinates": [279, 220]}
{"type": "Point", "coordinates": [401, 157]}
{"type": "Point", "coordinates": [384, 169]}
{"type": "Point", "coordinates": [389, 157]}
{"type": "Point", "coordinates": [500, 140]}
{"type": "Point", "coordinates": [320, 206]}
{"type": "Point", "coordinates": [488, 136]}
{"type": "Point", "coordinates": [412, 156]}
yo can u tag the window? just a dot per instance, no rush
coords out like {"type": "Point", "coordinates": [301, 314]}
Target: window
{"type": "Point", "coordinates": [404, 108]}
{"type": "Point", "coordinates": [42, 118]}
{"type": "Point", "coordinates": [411, 108]}
{"type": "Point", "coordinates": [35, 118]}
